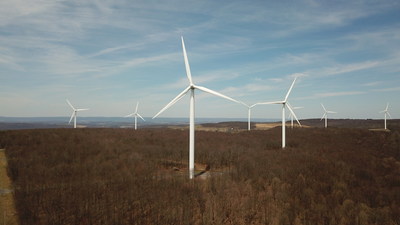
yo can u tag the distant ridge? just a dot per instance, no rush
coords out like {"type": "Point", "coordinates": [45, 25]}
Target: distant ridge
{"type": "Point", "coordinates": [14, 123]}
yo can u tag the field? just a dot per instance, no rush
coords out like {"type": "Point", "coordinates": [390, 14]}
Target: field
{"type": "Point", "coordinates": [122, 176]}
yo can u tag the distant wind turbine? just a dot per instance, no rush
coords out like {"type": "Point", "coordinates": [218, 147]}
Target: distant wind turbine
{"type": "Point", "coordinates": [135, 115]}
{"type": "Point", "coordinates": [191, 88]}
{"type": "Point", "coordinates": [284, 105]}
{"type": "Point", "coordinates": [386, 113]}
{"type": "Point", "coordinates": [326, 112]}
{"type": "Point", "coordinates": [74, 113]}
{"type": "Point", "coordinates": [249, 107]}
{"type": "Point", "coordinates": [291, 114]}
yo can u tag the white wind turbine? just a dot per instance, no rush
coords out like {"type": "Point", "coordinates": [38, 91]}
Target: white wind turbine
{"type": "Point", "coordinates": [326, 112]}
{"type": "Point", "coordinates": [74, 113]}
{"type": "Point", "coordinates": [291, 114]}
{"type": "Point", "coordinates": [386, 113]}
{"type": "Point", "coordinates": [285, 104]}
{"type": "Point", "coordinates": [135, 115]}
{"type": "Point", "coordinates": [191, 88]}
{"type": "Point", "coordinates": [249, 107]}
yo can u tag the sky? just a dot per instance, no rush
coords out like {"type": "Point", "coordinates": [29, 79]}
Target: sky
{"type": "Point", "coordinates": [107, 55]}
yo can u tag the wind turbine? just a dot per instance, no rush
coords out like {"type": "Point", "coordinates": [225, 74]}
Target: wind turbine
{"type": "Point", "coordinates": [191, 88]}
{"type": "Point", "coordinates": [386, 113]}
{"type": "Point", "coordinates": [249, 113]}
{"type": "Point", "coordinates": [326, 112]}
{"type": "Point", "coordinates": [74, 113]}
{"type": "Point", "coordinates": [136, 115]}
{"type": "Point", "coordinates": [291, 114]}
{"type": "Point", "coordinates": [285, 104]}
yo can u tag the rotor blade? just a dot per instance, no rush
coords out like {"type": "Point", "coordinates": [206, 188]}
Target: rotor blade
{"type": "Point", "coordinates": [331, 112]}
{"type": "Point", "coordinates": [323, 116]}
{"type": "Point", "coordinates": [253, 105]}
{"type": "Point", "coordinates": [244, 104]}
{"type": "Point", "coordinates": [188, 74]}
{"type": "Point", "coordinates": [137, 105]}
{"type": "Point", "coordinates": [290, 89]}
{"type": "Point", "coordinates": [387, 107]}
{"type": "Point", "coordinates": [293, 114]}
{"type": "Point", "coordinates": [72, 116]}
{"type": "Point", "coordinates": [177, 98]}
{"type": "Point", "coordinates": [287, 103]}
{"type": "Point", "coordinates": [69, 103]}
{"type": "Point", "coordinates": [389, 115]}
{"type": "Point", "coordinates": [323, 107]}
{"type": "Point", "coordinates": [140, 116]}
{"type": "Point", "coordinates": [216, 93]}
{"type": "Point", "coordinates": [130, 115]}
{"type": "Point", "coordinates": [81, 109]}
{"type": "Point", "coordinates": [290, 107]}
{"type": "Point", "coordinates": [269, 103]}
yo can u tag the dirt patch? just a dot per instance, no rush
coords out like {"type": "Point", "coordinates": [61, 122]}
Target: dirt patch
{"type": "Point", "coordinates": [7, 207]}
{"type": "Point", "coordinates": [266, 126]}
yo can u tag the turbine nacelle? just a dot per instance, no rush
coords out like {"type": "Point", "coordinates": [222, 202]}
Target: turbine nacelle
{"type": "Point", "coordinates": [74, 112]}
{"type": "Point", "coordinates": [285, 104]}
{"type": "Point", "coordinates": [326, 112]}
{"type": "Point", "coordinates": [386, 112]}
{"type": "Point", "coordinates": [192, 87]}
{"type": "Point", "coordinates": [325, 115]}
{"type": "Point", "coordinates": [135, 114]}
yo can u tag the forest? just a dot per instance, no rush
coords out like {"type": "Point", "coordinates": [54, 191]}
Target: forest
{"type": "Point", "coordinates": [122, 176]}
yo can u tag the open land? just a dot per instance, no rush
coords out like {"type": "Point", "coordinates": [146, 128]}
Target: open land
{"type": "Point", "coordinates": [338, 175]}
{"type": "Point", "coordinates": [7, 208]}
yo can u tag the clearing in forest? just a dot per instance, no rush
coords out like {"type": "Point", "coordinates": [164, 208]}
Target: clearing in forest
{"type": "Point", "coordinates": [7, 208]}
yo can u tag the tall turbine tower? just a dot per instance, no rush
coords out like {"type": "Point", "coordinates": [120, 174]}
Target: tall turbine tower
{"type": "Point", "coordinates": [386, 113]}
{"type": "Point", "coordinates": [284, 105]}
{"type": "Point", "coordinates": [135, 114]}
{"type": "Point", "coordinates": [191, 88]}
{"type": "Point", "coordinates": [74, 113]}
{"type": "Point", "coordinates": [326, 112]}
{"type": "Point", "coordinates": [249, 107]}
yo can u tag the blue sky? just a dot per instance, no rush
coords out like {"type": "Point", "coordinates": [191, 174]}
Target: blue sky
{"type": "Point", "coordinates": [107, 54]}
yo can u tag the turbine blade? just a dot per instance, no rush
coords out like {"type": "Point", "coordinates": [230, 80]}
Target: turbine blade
{"type": "Point", "coordinates": [188, 74]}
{"type": "Point", "coordinates": [69, 103]}
{"type": "Point", "coordinates": [72, 116]}
{"type": "Point", "coordinates": [323, 107]}
{"type": "Point", "coordinates": [253, 105]}
{"type": "Point", "coordinates": [331, 112]}
{"type": "Point", "coordinates": [216, 93]}
{"type": "Point", "coordinates": [177, 98]}
{"type": "Point", "coordinates": [130, 115]}
{"type": "Point", "coordinates": [293, 114]}
{"type": "Point", "coordinates": [140, 116]}
{"type": "Point", "coordinates": [387, 107]}
{"type": "Point", "coordinates": [389, 115]}
{"type": "Point", "coordinates": [81, 109]}
{"type": "Point", "coordinates": [269, 103]}
{"type": "Point", "coordinates": [323, 116]}
{"type": "Point", "coordinates": [244, 104]}
{"type": "Point", "coordinates": [290, 89]}
{"type": "Point", "coordinates": [137, 105]}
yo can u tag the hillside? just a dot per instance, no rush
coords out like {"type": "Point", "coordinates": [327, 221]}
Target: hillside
{"type": "Point", "coordinates": [121, 176]}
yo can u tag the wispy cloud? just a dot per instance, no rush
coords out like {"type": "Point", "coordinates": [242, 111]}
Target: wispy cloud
{"type": "Point", "coordinates": [347, 68]}
{"type": "Point", "coordinates": [331, 94]}
{"type": "Point", "coordinates": [387, 89]}
{"type": "Point", "coordinates": [372, 84]}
